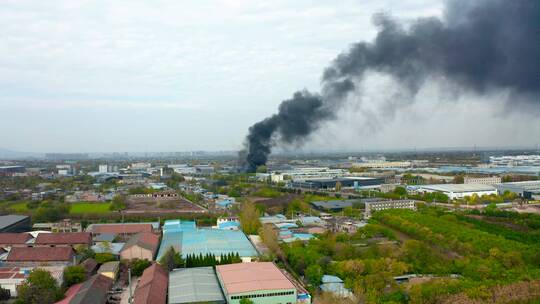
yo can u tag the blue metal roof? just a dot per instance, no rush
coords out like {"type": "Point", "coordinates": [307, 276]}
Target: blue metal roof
{"type": "Point", "coordinates": [193, 240]}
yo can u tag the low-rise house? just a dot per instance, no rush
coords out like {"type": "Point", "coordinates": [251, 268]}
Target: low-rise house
{"type": "Point", "coordinates": [15, 239]}
{"type": "Point", "coordinates": [141, 246]}
{"type": "Point", "coordinates": [110, 269]}
{"type": "Point", "coordinates": [11, 277]}
{"type": "Point", "coordinates": [152, 286]}
{"type": "Point", "coordinates": [335, 286]}
{"type": "Point", "coordinates": [64, 239]}
{"type": "Point", "coordinates": [92, 291]}
{"type": "Point", "coordinates": [388, 204]}
{"type": "Point", "coordinates": [37, 256]}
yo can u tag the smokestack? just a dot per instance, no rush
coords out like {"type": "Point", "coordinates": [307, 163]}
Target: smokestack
{"type": "Point", "coordinates": [479, 46]}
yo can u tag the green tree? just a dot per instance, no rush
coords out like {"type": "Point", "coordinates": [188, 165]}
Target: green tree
{"type": "Point", "coordinates": [314, 274]}
{"type": "Point", "coordinates": [39, 288]}
{"type": "Point", "coordinates": [249, 218]}
{"type": "Point", "coordinates": [118, 203]}
{"type": "Point", "coordinates": [262, 169]}
{"type": "Point", "coordinates": [138, 266]}
{"type": "Point", "coordinates": [74, 275]}
{"type": "Point", "coordinates": [401, 191]}
{"type": "Point", "coordinates": [172, 259]}
{"type": "Point", "coordinates": [459, 179]}
{"type": "Point", "coordinates": [104, 257]}
{"type": "Point", "coordinates": [246, 301]}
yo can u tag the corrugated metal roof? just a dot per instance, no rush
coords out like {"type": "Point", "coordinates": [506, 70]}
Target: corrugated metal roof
{"type": "Point", "coordinates": [194, 285]}
{"type": "Point", "coordinates": [195, 240]}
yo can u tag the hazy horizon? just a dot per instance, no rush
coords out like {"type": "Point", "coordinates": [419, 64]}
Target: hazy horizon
{"type": "Point", "coordinates": [133, 76]}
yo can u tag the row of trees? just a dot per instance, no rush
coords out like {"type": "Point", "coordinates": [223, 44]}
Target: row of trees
{"type": "Point", "coordinates": [211, 260]}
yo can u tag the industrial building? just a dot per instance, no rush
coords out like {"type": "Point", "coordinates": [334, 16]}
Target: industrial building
{"type": "Point", "coordinates": [11, 170]}
{"type": "Point", "coordinates": [15, 223]}
{"type": "Point", "coordinates": [195, 285]}
{"type": "Point", "coordinates": [527, 189]}
{"type": "Point", "coordinates": [457, 191]}
{"type": "Point", "coordinates": [490, 180]}
{"type": "Point", "coordinates": [185, 237]}
{"type": "Point", "coordinates": [388, 204]}
{"type": "Point", "coordinates": [261, 283]}
{"type": "Point", "coordinates": [331, 183]}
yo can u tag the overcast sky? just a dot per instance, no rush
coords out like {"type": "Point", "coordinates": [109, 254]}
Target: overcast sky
{"type": "Point", "coordinates": [99, 76]}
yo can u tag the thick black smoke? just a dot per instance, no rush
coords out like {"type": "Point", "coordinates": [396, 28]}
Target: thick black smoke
{"type": "Point", "coordinates": [481, 46]}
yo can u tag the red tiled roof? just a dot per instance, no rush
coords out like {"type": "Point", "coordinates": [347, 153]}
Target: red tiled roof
{"type": "Point", "coordinates": [146, 240]}
{"type": "Point", "coordinates": [121, 228]}
{"type": "Point", "coordinates": [9, 272]}
{"type": "Point", "coordinates": [70, 293]}
{"type": "Point", "coordinates": [66, 238]}
{"type": "Point", "coordinates": [152, 287]}
{"type": "Point", "coordinates": [40, 254]}
{"type": "Point", "coordinates": [14, 238]}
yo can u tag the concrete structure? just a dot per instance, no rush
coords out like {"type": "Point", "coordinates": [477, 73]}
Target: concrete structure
{"type": "Point", "coordinates": [195, 285]}
{"type": "Point", "coordinates": [527, 189]}
{"type": "Point", "coordinates": [388, 204]}
{"type": "Point", "coordinates": [103, 169]}
{"type": "Point", "coordinates": [262, 283]}
{"type": "Point", "coordinates": [490, 180]}
{"type": "Point", "coordinates": [152, 286]}
{"type": "Point", "coordinates": [62, 226]}
{"type": "Point", "coordinates": [15, 223]}
{"type": "Point", "coordinates": [167, 195]}
{"type": "Point", "coordinates": [457, 191]}
{"type": "Point", "coordinates": [185, 237]}
{"type": "Point", "coordinates": [110, 269]}
{"type": "Point", "coordinates": [382, 164]}
{"type": "Point", "coordinates": [142, 246]}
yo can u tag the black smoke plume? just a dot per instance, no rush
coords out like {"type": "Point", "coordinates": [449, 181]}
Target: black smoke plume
{"type": "Point", "coordinates": [480, 46]}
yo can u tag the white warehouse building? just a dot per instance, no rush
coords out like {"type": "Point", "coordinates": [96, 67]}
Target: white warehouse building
{"type": "Point", "coordinates": [457, 191]}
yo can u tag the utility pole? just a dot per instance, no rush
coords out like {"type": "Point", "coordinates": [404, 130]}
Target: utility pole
{"type": "Point", "coordinates": [129, 283]}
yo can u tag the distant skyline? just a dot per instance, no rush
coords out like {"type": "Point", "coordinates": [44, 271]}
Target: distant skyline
{"type": "Point", "coordinates": [143, 76]}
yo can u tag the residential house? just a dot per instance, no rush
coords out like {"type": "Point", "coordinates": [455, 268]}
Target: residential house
{"type": "Point", "coordinates": [92, 291]}
{"type": "Point", "coordinates": [64, 239]}
{"type": "Point", "coordinates": [152, 286]}
{"type": "Point", "coordinates": [141, 246]}
{"type": "Point", "coordinates": [14, 239]}
{"type": "Point", "coordinates": [36, 256]}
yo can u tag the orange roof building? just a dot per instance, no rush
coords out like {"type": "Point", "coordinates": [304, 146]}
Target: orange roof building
{"type": "Point", "coordinates": [260, 282]}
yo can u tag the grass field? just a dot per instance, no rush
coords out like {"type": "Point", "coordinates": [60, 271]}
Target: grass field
{"type": "Point", "coordinates": [80, 208]}
{"type": "Point", "coordinates": [19, 207]}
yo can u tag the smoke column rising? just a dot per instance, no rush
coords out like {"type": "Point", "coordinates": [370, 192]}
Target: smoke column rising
{"type": "Point", "coordinates": [480, 46]}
